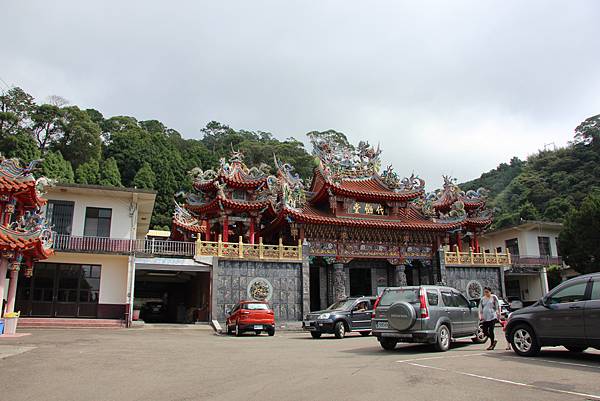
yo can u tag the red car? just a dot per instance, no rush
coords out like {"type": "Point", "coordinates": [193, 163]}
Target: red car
{"type": "Point", "coordinates": [253, 316]}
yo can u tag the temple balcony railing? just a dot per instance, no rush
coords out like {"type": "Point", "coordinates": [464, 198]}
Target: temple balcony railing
{"type": "Point", "coordinates": [470, 258]}
{"type": "Point", "coordinates": [105, 245]}
{"type": "Point", "coordinates": [241, 250]}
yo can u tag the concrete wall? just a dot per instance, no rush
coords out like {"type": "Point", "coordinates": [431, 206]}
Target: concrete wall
{"type": "Point", "coordinates": [531, 286]}
{"type": "Point", "coordinates": [231, 279]}
{"type": "Point", "coordinates": [113, 273]}
{"type": "Point", "coordinates": [459, 278]}
{"type": "Point", "coordinates": [528, 240]}
{"type": "Point", "coordinates": [121, 226]}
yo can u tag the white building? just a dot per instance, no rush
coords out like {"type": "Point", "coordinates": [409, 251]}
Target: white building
{"type": "Point", "coordinates": [90, 274]}
{"type": "Point", "coordinates": [533, 246]}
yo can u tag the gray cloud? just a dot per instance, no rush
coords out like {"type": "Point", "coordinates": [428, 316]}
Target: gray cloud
{"type": "Point", "coordinates": [445, 87]}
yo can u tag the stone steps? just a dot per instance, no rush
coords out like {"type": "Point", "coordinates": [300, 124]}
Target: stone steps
{"type": "Point", "coordinates": [61, 323]}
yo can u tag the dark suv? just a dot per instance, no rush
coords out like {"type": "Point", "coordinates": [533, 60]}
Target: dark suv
{"type": "Point", "coordinates": [351, 314]}
{"type": "Point", "coordinates": [425, 314]}
{"type": "Point", "coordinates": [569, 315]}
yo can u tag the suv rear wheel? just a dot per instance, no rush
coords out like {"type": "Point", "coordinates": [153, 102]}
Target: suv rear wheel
{"type": "Point", "coordinates": [388, 343]}
{"type": "Point", "coordinates": [339, 330]}
{"type": "Point", "coordinates": [442, 339]}
{"type": "Point", "coordinates": [524, 341]}
{"type": "Point", "coordinates": [315, 334]}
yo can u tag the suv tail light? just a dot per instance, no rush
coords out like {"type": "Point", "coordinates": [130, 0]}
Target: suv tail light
{"type": "Point", "coordinates": [423, 310]}
{"type": "Point", "coordinates": [375, 306]}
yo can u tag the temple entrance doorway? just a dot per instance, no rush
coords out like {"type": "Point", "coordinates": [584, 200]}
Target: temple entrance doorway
{"type": "Point", "coordinates": [360, 282]}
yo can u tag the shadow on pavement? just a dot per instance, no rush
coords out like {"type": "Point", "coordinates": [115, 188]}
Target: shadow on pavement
{"type": "Point", "coordinates": [561, 357]}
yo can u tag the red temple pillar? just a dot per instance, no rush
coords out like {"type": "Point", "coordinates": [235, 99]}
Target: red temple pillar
{"type": "Point", "coordinates": [226, 228]}
{"type": "Point", "coordinates": [12, 287]}
{"type": "Point", "coordinates": [476, 242]}
{"type": "Point", "coordinates": [3, 270]}
{"type": "Point", "coordinates": [251, 231]}
{"type": "Point", "coordinates": [206, 230]}
{"type": "Point", "coordinates": [459, 241]}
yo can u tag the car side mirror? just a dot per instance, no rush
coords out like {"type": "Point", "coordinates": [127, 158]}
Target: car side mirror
{"type": "Point", "coordinates": [472, 304]}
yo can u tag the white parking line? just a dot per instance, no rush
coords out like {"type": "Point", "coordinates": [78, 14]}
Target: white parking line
{"type": "Point", "coordinates": [582, 365]}
{"type": "Point", "coordinates": [554, 390]}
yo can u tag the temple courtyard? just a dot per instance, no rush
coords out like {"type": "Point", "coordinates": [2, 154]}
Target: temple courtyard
{"type": "Point", "coordinates": [169, 363]}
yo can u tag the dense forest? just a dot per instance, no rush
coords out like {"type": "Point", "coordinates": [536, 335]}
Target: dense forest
{"type": "Point", "coordinates": [549, 183]}
{"type": "Point", "coordinates": [83, 146]}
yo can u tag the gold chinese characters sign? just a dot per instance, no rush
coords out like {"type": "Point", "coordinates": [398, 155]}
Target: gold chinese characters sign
{"type": "Point", "coordinates": [366, 208]}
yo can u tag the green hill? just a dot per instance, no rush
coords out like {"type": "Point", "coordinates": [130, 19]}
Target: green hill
{"type": "Point", "coordinates": [546, 185]}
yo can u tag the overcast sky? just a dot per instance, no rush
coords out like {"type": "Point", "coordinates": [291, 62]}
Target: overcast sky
{"type": "Point", "coordinates": [449, 87]}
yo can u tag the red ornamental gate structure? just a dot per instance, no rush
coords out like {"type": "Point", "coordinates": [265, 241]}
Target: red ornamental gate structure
{"type": "Point", "coordinates": [24, 235]}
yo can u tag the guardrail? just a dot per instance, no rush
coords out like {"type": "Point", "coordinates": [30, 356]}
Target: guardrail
{"type": "Point", "coordinates": [457, 258]}
{"type": "Point", "coordinates": [69, 243]}
{"type": "Point", "coordinates": [531, 260]}
{"type": "Point", "coordinates": [239, 250]}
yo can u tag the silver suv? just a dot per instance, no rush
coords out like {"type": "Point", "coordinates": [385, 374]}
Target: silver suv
{"type": "Point", "coordinates": [424, 314]}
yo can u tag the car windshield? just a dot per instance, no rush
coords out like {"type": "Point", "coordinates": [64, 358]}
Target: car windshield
{"type": "Point", "coordinates": [410, 295]}
{"type": "Point", "coordinates": [255, 307]}
{"type": "Point", "coordinates": [345, 304]}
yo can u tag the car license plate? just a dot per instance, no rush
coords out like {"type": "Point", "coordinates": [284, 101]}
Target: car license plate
{"type": "Point", "coordinates": [309, 325]}
{"type": "Point", "coordinates": [382, 325]}
{"type": "Point", "coordinates": [258, 327]}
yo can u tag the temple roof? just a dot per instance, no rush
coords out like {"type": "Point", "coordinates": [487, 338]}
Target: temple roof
{"type": "Point", "coordinates": [371, 188]}
{"type": "Point", "coordinates": [19, 182]}
{"type": "Point", "coordinates": [234, 173]}
{"type": "Point", "coordinates": [36, 243]}
{"type": "Point", "coordinates": [346, 172]}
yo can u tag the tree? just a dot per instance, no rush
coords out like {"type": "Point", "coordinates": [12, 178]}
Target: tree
{"type": "Point", "coordinates": [47, 126]}
{"type": "Point", "coordinates": [20, 145]}
{"type": "Point", "coordinates": [56, 167]}
{"type": "Point", "coordinates": [589, 131]}
{"type": "Point", "coordinates": [88, 173]}
{"type": "Point", "coordinates": [528, 212]}
{"type": "Point", "coordinates": [15, 111]}
{"type": "Point", "coordinates": [109, 173]}
{"type": "Point", "coordinates": [580, 237]}
{"type": "Point", "coordinates": [80, 141]}
{"type": "Point", "coordinates": [145, 177]}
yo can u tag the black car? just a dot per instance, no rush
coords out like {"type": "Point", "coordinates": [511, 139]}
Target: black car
{"type": "Point", "coordinates": [350, 314]}
{"type": "Point", "coordinates": [569, 315]}
{"type": "Point", "coordinates": [154, 312]}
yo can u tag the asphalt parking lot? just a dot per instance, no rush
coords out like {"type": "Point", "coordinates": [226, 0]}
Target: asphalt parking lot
{"type": "Point", "coordinates": [192, 364]}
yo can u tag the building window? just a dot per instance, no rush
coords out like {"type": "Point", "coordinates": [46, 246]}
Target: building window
{"type": "Point", "coordinates": [60, 216]}
{"type": "Point", "coordinates": [544, 245]}
{"type": "Point", "coordinates": [512, 246]}
{"type": "Point", "coordinates": [97, 222]}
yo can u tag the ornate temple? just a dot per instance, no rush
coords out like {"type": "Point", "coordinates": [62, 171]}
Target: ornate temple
{"type": "Point", "coordinates": [363, 228]}
{"type": "Point", "coordinates": [24, 235]}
